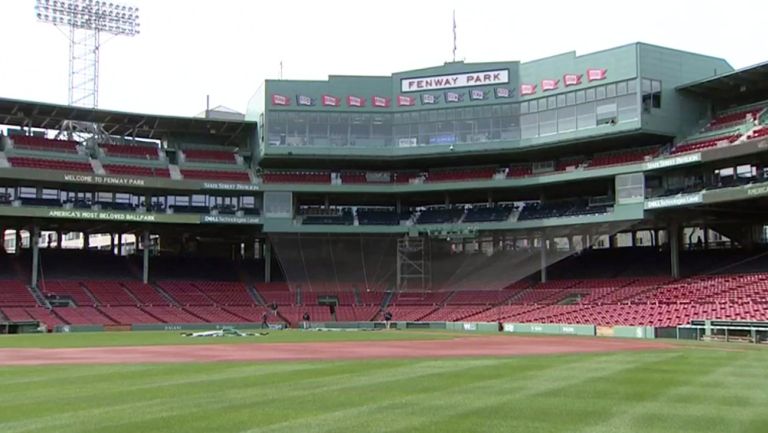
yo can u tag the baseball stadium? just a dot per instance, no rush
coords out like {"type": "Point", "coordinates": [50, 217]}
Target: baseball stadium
{"type": "Point", "coordinates": [576, 243]}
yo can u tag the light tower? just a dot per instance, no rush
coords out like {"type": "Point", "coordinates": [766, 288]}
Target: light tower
{"type": "Point", "coordinates": [83, 22]}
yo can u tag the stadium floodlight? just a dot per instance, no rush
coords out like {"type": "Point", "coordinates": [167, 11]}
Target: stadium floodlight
{"type": "Point", "coordinates": [85, 20]}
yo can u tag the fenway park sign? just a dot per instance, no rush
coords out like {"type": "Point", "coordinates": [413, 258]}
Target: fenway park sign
{"type": "Point", "coordinates": [469, 79]}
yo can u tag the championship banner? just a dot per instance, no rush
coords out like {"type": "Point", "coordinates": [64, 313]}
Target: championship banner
{"type": "Point", "coordinates": [355, 101]}
{"type": "Point", "coordinates": [527, 89]}
{"type": "Point", "coordinates": [453, 97]}
{"type": "Point", "coordinates": [331, 101]}
{"type": "Point", "coordinates": [278, 99]}
{"type": "Point", "coordinates": [380, 101]}
{"type": "Point", "coordinates": [304, 100]}
{"type": "Point", "coordinates": [428, 99]}
{"type": "Point", "coordinates": [549, 84]}
{"type": "Point", "coordinates": [596, 74]}
{"type": "Point", "coordinates": [572, 79]}
{"type": "Point", "coordinates": [477, 95]}
{"type": "Point", "coordinates": [405, 101]}
{"type": "Point", "coordinates": [503, 92]}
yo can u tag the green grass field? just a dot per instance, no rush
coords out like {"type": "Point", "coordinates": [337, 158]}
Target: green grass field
{"type": "Point", "coordinates": [692, 388]}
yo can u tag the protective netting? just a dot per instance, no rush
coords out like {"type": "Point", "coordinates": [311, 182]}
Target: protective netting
{"type": "Point", "coordinates": [490, 261]}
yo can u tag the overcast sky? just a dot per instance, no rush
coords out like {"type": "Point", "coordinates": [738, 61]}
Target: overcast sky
{"type": "Point", "coordinates": [226, 48]}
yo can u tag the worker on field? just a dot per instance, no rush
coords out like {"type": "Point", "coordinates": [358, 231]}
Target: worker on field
{"type": "Point", "coordinates": [387, 318]}
{"type": "Point", "coordinates": [305, 319]}
{"type": "Point", "coordinates": [264, 318]}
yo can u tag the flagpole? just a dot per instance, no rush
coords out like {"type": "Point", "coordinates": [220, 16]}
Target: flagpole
{"type": "Point", "coordinates": [454, 35]}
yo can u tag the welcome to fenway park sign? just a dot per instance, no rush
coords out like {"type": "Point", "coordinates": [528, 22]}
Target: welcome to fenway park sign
{"type": "Point", "coordinates": [468, 79]}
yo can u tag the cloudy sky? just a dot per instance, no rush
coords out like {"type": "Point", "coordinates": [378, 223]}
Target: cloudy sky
{"type": "Point", "coordinates": [226, 48]}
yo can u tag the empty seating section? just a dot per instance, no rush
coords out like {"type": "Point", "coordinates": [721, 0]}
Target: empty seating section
{"type": "Point", "coordinates": [185, 293]}
{"type": "Point", "coordinates": [758, 133]}
{"type": "Point", "coordinates": [623, 157]}
{"type": "Point", "coordinates": [488, 213]}
{"type": "Point", "coordinates": [43, 144]}
{"type": "Point", "coordinates": [144, 293]}
{"type": "Point", "coordinates": [67, 289]}
{"type": "Point", "coordinates": [212, 156]}
{"type": "Point", "coordinates": [49, 164]}
{"type": "Point", "coordinates": [353, 177]}
{"type": "Point", "coordinates": [222, 175]}
{"type": "Point", "coordinates": [214, 314]}
{"type": "Point", "coordinates": [137, 170]}
{"type": "Point", "coordinates": [727, 120]}
{"type": "Point", "coordinates": [706, 143]}
{"type": "Point", "coordinates": [419, 298]}
{"type": "Point", "coordinates": [83, 316]}
{"type": "Point", "coordinates": [520, 171]}
{"type": "Point", "coordinates": [39, 314]}
{"type": "Point", "coordinates": [110, 293]}
{"type": "Point", "coordinates": [15, 294]}
{"type": "Point", "coordinates": [128, 315]}
{"type": "Point", "coordinates": [461, 174]}
{"type": "Point", "coordinates": [405, 177]}
{"type": "Point", "coordinates": [225, 293]}
{"type": "Point", "coordinates": [130, 151]}
{"type": "Point", "coordinates": [169, 314]}
{"type": "Point", "coordinates": [378, 217]}
{"type": "Point", "coordinates": [322, 216]}
{"type": "Point", "coordinates": [440, 216]}
{"type": "Point", "coordinates": [296, 177]}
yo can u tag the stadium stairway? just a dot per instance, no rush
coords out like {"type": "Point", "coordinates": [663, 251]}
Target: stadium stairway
{"type": "Point", "coordinates": [4, 161]}
{"type": "Point", "coordinates": [41, 300]}
{"type": "Point", "coordinates": [165, 295]}
{"type": "Point", "coordinates": [255, 294]}
{"type": "Point", "coordinates": [98, 168]}
{"type": "Point", "coordinates": [175, 172]}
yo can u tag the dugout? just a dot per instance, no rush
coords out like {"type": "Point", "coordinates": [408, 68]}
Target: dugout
{"type": "Point", "coordinates": [25, 327]}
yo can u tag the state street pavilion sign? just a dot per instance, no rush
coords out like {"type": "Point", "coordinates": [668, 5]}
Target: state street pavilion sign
{"type": "Point", "coordinates": [468, 79]}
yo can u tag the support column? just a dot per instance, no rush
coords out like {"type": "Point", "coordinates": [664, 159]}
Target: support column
{"type": "Point", "coordinates": [34, 242]}
{"type": "Point", "coordinates": [673, 232]}
{"type": "Point", "coordinates": [145, 267]}
{"type": "Point", "coordinates": [706, 237]}
{"type": "Point", "coordinates": [112, 243]}
{"type": "Point", "coordinates": [86, 241]}
{"type": "Point", "coordinates": [267, 261]}
{"type": "Point", "coordinates": [59, 239]}
{"type": "Point", "coordinates": [18, 241]}
{"type": "Point", "coordinates": [119, 244]}
{"type": "Point", "coordinates": [543, 259]}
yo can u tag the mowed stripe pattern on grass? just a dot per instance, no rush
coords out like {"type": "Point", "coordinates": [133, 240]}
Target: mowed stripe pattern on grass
{"type": "Point", "coordinates": [682, 390]}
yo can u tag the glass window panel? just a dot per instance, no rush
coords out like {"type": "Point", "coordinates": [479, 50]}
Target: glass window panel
{"type": "Point", "coordinates": [529, 125]}
{"type": "Point", "coordinates": [621, 88]}
{"type": "Point", "coordinates": [580, 97]}
{"type": "Point", "coordinates": [551, 103]}
{"type": "Point", "coordinates": [566, 119]}
{"type": "Point", "coordinates": [600, 92]}
{"type": "Point", "coordinates": [548, 122]}
{"type": "Point", "coordinates": [590, 95]}
{"type": "Point", "coordinates": [561, 100]}
{"type": "Point", "coordinates": [632, 86]}
{"type": "Point", "coordinates": [646, 85]}
{"type": "Point", "coordinates": [570, 98]}
{"type": "Point", "coordinates": [627, 108]}
{"type": "Point", "coordinates": [585, 116]}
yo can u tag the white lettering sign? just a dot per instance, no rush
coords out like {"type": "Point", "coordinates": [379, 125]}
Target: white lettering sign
{"type": "Point", "coordinates": [680, 200]}
{"type": "Point", "coordinates": [669, 162]}
{"type": "Point", "coordinates": [469, 79]}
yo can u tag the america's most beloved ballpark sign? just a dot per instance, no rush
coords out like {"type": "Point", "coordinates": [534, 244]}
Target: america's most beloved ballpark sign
{"type": "Point", "coordinates": [469, 79]}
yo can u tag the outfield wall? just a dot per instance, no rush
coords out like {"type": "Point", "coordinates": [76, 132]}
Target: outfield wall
{"type": "Point", "coordinates": [642, 332]}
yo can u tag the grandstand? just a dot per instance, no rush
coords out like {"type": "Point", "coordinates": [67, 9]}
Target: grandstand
{"type": "Point", "coordinates": [593, 201]}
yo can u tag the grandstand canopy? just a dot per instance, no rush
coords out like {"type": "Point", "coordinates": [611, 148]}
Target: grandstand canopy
{"type": "Point", "coordinates": [148, 126]}
{"type": "Point", "coordinates": [751, 81]}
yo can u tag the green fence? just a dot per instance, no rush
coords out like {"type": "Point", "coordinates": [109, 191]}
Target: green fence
{"type": "Point", "coordinates": [549, 329]}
